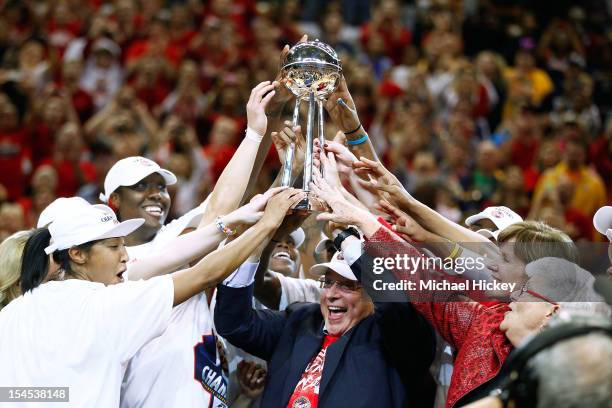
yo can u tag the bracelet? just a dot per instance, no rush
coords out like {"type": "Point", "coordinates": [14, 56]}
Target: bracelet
{"type": "Point", "coordinates": [353, 131]}
{"type": "Point", "coordinates": [253, 135]}
{"type": "Point", "coordinates": [359, 141]}
{"type": "Point", "coordinates": [350, 231]}
{"type": "Point", "coordinates": [455, 252]}
{"type": "Point", "coordinates": [224, 228]}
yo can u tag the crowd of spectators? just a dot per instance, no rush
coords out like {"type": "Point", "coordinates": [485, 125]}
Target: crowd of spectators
{"type": "Point", "coordinates": [470, 104]}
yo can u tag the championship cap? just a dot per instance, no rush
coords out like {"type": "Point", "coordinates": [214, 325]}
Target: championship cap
{"type": "Point", "coordinates": [86, 224]}
{"type": "Point", "coordinates": [129, 171]}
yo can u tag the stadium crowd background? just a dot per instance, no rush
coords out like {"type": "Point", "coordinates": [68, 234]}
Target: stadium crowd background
{"type": "Point", "coordinates": [470, 103]}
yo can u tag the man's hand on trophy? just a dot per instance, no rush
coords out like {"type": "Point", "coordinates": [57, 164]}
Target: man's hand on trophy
{"type": "Point", "coordinates": [341, 109]}
{"type": "Point", "coordinates": [256, 106]}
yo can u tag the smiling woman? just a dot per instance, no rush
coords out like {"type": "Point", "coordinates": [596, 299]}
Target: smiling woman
{"type": "Point", "coordinates": [112, 321]}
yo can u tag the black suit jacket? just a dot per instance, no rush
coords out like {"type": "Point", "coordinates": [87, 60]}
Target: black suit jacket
{"type": "Point", "coordinates": [381, 362]}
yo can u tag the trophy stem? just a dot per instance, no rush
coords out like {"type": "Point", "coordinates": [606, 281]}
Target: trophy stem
{"type": "Point", "coordinates": [309, 143]}
{"type": "Point", "coordinates": [321, 130]}
{"type": "Point", "coordinates": [288, 165]}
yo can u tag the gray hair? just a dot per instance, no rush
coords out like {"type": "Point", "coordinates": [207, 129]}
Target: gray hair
{"type": "Point", "coordinates": [575, 373]}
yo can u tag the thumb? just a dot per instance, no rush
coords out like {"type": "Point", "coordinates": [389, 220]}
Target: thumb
{"type": "Point", "coordinates": [340, 137]}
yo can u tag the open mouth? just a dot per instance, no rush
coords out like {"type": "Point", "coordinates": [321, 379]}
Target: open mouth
{"type": "Point", "coordinates": [120, 275]}
{"type": "Point", "coordinates": [282, 255]}
{"type": "Point", "coordinates": [336, 313]}
{"type": "Point", "coordinates": [154, 210]}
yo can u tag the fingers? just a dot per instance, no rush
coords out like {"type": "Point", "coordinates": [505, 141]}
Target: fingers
{"type": "Point", "coordinates": [303, 39]}
{"type": "Point", "coordinates": [334, 147]}
{"type": "Point", "coordinates": [266, 99]}
{"type": "Point", "coordinates": [273, 191]}
{"type": "Point", "coordinates": [326, 217]}
{"type": "Point", "coordinates": [391, 209]}
{"type": "Point", "coordinates": [331, 160]}
{"type": "Point", "coordinates": [259, 95]}
{"type": "Point", "coordinates": [258, 87]}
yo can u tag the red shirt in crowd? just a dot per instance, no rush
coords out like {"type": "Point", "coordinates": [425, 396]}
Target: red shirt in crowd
{"type": "Point", "coordinates": [71, 176]}
{"type": "Point", "coordinates": [306, 393]}
{"type": "Point", "coordinates": [15, 162]}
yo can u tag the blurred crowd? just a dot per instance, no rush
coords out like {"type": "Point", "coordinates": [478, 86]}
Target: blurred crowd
{"type": "Point", "coordinates": [470, 104]}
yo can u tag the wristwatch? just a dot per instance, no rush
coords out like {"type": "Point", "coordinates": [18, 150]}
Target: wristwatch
{"type": "Point", "coordinates": [344, 234]}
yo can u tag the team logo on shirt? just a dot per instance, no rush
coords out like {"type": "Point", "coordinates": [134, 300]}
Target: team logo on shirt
{"type": "Point", "coordinates": [301, 402]}
{"type": "Point", "coordinates": [209, 373]}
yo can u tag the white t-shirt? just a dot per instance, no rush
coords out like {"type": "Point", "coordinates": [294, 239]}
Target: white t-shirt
{"type": "Point", "coordinates": [297, 290]}
{"type": "Point", "coordinates": [180, 368]}
{"type": "Point", "coordinates": [166, 234]}
{"type": "Point", "coordinates": [80, 334]}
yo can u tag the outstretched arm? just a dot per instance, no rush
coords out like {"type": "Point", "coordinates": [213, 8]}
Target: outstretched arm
{"type": "Point", "coordinates": [389, 187]}
{"type": "Point", "coordinates": [341, 109]}
{"type": "Point", "coordinates": [232, 184]}
{"type": "Point", "coordinates": [217, 265]}
{"type": "Point", "coordinates": [188, 247]}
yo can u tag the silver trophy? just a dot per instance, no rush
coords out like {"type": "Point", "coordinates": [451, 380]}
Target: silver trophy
{"type": "Point", "coordinates": [312, 72]}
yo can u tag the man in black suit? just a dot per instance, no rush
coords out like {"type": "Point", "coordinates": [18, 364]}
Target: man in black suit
{"type": "Point", "coordinates": [344, 352]}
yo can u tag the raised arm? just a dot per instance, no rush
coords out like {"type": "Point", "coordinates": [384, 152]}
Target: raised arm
{"type": "Point", "coordinates": [383, 181]}
{"type": "Point", "coordinates": [341, 109]}
{"type": "Point", "coordinates": [217, 265]}
{"type": "Point", "coordinates": [186, 248]}
{"type": "Point", "coordinates": [234, 180]}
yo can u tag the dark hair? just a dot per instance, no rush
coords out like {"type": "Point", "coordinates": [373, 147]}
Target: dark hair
{"type": "Point", "coordinates": [63, 257]}
{"type": "Point", "coordinates": [34, 262]}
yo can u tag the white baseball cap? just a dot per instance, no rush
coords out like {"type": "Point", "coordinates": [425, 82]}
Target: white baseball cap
{"type": "Point", "coordinates": [298, 236]}
{"type": "Point", "coordinates": [602, 221]}
{"type": "Point", "coordinates": [129, 171]}
{"type": "Point", "coordinates": [60, 206]}
{"type": "Point", "coordinates": [501, 216]}
{"type": "Point", "coordinates": [86, 224]}
{"type": "Point", "coordinates": [337, 264]}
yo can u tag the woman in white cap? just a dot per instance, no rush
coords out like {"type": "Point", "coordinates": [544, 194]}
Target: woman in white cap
{"type": "Point", "coordinates": [80, 332]}
{"type": "Point", "coordinates": [135, 187]}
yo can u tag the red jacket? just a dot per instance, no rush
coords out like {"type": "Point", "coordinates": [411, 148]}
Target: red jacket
{"type": "Point", "coordinates": [469, 327]}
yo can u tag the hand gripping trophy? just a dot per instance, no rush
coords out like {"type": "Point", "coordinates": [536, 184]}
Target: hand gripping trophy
{"type": "Point", "coordinates": [311, 70]}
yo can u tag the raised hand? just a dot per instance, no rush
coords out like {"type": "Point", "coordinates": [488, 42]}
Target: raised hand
{"type": "Point", "coordinates": [251, 212]}
{"type": "Point", "coordinates": [341, 108]}
{"type": "Point", "coordinates": [330, 170]}
{"type": "Point", "coordinates": [343, 212]}
{"type": "Point", "coordinates": [278, 206]}
{"type": "Point", "coordinates": [283, 95]}
{"type": "Point", "coordinates": [404, 224]}
{"type": "Point", "coordinates": [344, 157]}
{"type": "Point", "coordinates": [289, 134]}
{"type": "Point", "coordinates": [256, 106]}
{"type": "Point", "coordinates": [382, 180]}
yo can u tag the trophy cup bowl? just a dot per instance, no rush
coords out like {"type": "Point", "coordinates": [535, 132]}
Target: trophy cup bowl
{"type": "Point", "coordinates": [312, 72]}
{"type": "Point", "coordinates": [314, 67]}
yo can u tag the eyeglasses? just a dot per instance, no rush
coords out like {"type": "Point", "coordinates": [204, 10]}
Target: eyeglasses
{"type": "Point", "coordinates": [525, 289]}
{"type": "Point", "coordinates": [327, 283]}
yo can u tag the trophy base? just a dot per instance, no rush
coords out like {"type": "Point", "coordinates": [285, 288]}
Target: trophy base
{"type": "Point", "coordinates": [309, 205]}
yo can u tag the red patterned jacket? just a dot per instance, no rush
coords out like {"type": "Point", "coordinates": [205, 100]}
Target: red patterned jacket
{"type": "Point", "coordinates": [469, 327]}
